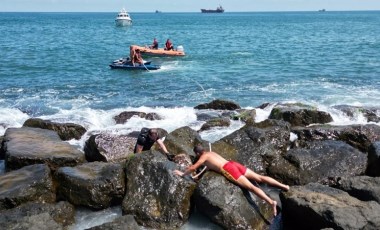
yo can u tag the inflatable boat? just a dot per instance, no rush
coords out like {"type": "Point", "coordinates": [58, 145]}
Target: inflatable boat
{"type": "Point", "coordinates": [146, 51]}
{"type": "Point", "coordinates": [125, 63]}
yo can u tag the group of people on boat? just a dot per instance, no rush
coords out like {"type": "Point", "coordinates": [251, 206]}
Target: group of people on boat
{"type": "Point", "coordinates": [168, 45]}
{"type": "Point", "coordinates": [135, 53]}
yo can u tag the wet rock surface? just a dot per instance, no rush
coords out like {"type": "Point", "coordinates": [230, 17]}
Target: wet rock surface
{"type": "Point", "coordinates": [27, 146]}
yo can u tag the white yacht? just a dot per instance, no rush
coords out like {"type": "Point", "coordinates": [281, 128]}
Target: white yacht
{"type": "Point", "coordinates": [123, 18]}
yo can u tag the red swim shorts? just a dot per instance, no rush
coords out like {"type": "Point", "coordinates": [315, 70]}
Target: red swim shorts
{"type": "Point", "coordinates": [233, 170]}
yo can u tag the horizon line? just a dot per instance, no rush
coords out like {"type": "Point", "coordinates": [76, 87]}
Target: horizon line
{"type": "Point", "coordinates": [273, 11]}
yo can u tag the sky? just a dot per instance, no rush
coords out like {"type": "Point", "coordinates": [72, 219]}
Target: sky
{"type": "Point", "coordinates": [184, 5]}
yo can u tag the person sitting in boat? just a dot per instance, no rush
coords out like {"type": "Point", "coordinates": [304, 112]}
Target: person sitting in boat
{"type": "Point", "coordinates": [136, 58]}
{"type": "Point", "coordinates": [154, 44]}
{"type": "Point", "coordinates": [168, 45]}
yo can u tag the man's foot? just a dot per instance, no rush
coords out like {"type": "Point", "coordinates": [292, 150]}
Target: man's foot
{"type": "Point", "coordinates": [274, 206]}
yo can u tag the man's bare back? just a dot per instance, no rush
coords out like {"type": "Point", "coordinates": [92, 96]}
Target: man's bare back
{"type": "Point", "coordinates": [213, 161]}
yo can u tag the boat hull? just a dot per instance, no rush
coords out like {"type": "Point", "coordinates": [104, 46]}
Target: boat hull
{"type": "Point", "coordinates": [122, 64]}
{"type": "Point", "coordinates": [159, 52]}
{"type": "Point", "coordinates": [123, 22]}
{"type": "Point", "coordinates": [211, 11]}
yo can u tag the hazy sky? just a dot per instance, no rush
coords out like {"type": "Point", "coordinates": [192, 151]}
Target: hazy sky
{"type": "Point", "coordinates": [183, 5]}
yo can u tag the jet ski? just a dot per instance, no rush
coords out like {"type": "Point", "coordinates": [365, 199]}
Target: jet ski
{"type": "Point", "coordinates": [125, 63]}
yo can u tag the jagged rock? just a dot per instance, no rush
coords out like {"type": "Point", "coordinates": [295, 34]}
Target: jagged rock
{"type": "Point", "coordinates": [2, 153]}
{"type": "Point", "coordinates": [109, 147]}
{"type": "Point", "coordinates": [216, 122]}
{"type": "Point", "coordinates": [255, 145]}
{"type": "Point", "coordinates": [95, 185]}
{"type": "Point", "coordinates": [358, 136]}
{"type": "Point", "coordinates": [183, 140]}
{"type": "Point", "coordinates": [245, 115]}
{"type": "Point", "coordinates": [315, 206]}
{"type": "Point", "coordinates": [125, 116]}
{"type": "Point", "coordinates": [154, 195]}
{"type": "Point", "coordinates": [205, 115]}
{"type": "Point", "coordinates": [371, 113]}
{"type": "Point", "coordinates": [230, 206]}
{"type": "Point", "coordinates": [219, 105]}
{"type": "Point", "coordinates": [38, 216]}
{"type": "Point", "coordinates": [299, 114]}
{"type": "Point", "coordinates": [319, 162]}
{"type": "Point", "coordinates": [183, 161]}
{"type": "Point", "coordinates": [364, 188]}
{"type": "Point", "coordinates": [373, 168]}
{"type": "Point", "coordinates": [66, 131]}
{"type": "Point", "coordinates": [153, 116]}
{"type": "Point", "coordinates": [38, 221]}
{"type": "Point", "coordinates": [121, 223]}
{"type": "Point", "coordinates": [30, 183]}
{"type": "Point", "coordinates": [26, 146]}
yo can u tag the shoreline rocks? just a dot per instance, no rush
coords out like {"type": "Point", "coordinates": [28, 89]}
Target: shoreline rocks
{"type": "Point", "coordinates": [333, 170]}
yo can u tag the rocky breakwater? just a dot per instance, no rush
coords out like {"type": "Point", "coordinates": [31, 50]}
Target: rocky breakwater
{"type": "Point", "coordinates": [333, 172]}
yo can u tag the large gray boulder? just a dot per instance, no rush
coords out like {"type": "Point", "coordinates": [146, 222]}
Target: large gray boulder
{"type": "Point", "coordinates": [42, 216]}
{"type": "Point", "coordinates": [27, 146]}
{"type": "Point", "coordinates": [183, 140]}
{"type": "Point", "coordinates": [96, 185]}
{"type": "Point", "coordinates": [230, 206]}
{"type": "Point", "coordinates": [315, 206]}
{"type": "Point", "coordinates": [362, 187]}
{"type": "Point", "coordinates": [255, 145]}
{"type": "Point", "coordinates": [154, 195]}
{"type": "Point", "coordinates": [66, 131]}
{"type": "Point", "coordinates": [358, 136]}
{"type": "Point", "coordinates": [299, 114]}
{"type": "Point", "coordinates": [318, 162]}
{"type": "Point", "coordinates": [30, 183]}
{"type": "Point", "coordinates": [374, 159]}
{"type": "Point", "coordinates": [109, 147]}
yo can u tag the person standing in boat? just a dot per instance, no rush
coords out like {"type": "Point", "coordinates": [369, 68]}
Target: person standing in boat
{"type": "Point", "coordinates": [168, 45]}
{"type": "Point", "coordinates": [154, 44]}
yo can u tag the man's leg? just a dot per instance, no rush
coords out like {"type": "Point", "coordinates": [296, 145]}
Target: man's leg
{"type": "Point", "coordinates": [245, 183]}
{"type": "Point", "coordinates": [265, 179]}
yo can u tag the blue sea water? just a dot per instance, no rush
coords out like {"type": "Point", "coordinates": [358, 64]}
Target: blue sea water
{"type": "Point", "coordinates": [53, 61]}
{"type": "Point", "coordinates": [55, 66]}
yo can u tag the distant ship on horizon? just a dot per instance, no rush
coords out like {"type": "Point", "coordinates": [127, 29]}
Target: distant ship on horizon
{"type": "Point", "coordinates": [219, 9]}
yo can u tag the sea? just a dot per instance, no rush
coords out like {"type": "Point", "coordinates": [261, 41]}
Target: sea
{"type": "Point", "coordinates": [55, 66]}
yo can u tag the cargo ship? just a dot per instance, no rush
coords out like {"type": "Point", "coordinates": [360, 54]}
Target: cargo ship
{"type": "Point", "coordinates": [219, 9]}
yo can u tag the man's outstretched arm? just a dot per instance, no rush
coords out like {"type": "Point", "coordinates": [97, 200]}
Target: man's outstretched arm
{"type": "Point", "coordinates": [191, 168]}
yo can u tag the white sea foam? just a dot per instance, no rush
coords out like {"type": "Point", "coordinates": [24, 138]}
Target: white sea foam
{"type": "Point", "coordinates": [11, 118]}
{"type": "Point", "coordinates": [217, 133]}
{"type": "Point", "coordinates": [263, 114]}
{"type": "Point", "coordinates": [86, 218]}
{"type": "Point", "coordinates": [340, 118]}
